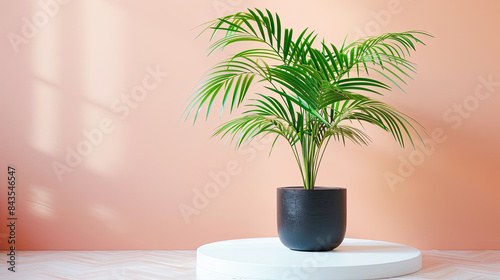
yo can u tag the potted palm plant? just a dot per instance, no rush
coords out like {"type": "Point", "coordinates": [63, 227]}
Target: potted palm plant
{"type": "Point", "coordinates": [313, 92]}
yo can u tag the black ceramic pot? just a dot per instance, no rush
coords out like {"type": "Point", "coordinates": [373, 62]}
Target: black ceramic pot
{"type": "Point", "coordinates": [312, 220]}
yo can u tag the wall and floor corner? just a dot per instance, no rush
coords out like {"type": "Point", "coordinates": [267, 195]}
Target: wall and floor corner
{"type": "Point", "coordinates": [90, 100]}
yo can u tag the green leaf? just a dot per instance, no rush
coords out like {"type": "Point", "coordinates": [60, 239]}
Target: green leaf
{"type": "Point", "coordinates": [311, 95]}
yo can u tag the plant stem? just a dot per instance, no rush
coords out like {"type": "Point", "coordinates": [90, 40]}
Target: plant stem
{"type": "Point", "coordinates": [310, 154]}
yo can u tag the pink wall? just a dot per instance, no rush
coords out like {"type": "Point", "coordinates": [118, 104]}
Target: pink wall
{"type": "Point", "coordinates": [70, 76]}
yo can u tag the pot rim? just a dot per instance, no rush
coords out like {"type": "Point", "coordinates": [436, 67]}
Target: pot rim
{"type": "Point", "coordinates": [316, 188]}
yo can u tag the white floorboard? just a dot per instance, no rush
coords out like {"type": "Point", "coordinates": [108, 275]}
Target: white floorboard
{"type": "Point", "coordinates": [181, 265]}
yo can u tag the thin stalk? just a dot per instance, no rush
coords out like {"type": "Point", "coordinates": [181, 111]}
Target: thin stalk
{"type": "Point", "coordinates": [297, 158]}
{"type": "Point", "coordinates": [309, 156]}
{"type": "Point", "coordinates": [320, 158]}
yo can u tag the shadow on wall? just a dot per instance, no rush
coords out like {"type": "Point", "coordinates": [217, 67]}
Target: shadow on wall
{"type": "Point", "coordinates": [70, 100]}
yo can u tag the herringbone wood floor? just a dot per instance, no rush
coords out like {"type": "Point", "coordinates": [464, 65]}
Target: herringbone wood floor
{"type": "Point", "coordinates": [181, 265]}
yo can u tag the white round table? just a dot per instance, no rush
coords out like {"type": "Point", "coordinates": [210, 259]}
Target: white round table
{"type": "Point", "coordinates": [267, 258]}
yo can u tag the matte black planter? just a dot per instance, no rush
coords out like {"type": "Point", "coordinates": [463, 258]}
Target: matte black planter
{"type": "Point", "coordinates": [312, 220]}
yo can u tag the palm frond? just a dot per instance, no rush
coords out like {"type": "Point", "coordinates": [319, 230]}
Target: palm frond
{"type": "Point", "coordinates": [314, 93]}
